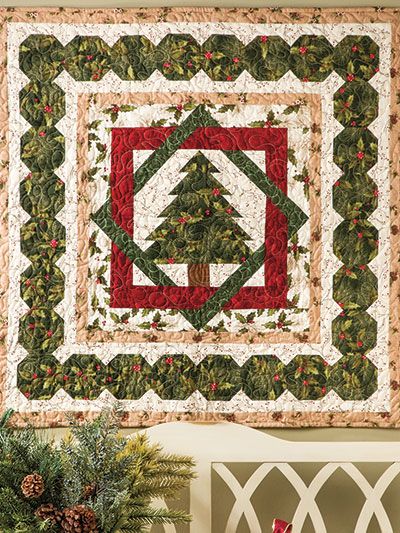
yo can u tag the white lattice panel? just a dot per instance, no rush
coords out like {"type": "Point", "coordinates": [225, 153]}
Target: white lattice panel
{"type": "Point", "coordinates": [213, 446]}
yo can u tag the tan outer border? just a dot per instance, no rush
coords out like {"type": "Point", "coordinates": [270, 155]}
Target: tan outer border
{"type": "Point", "coordinates": [192, 14]}
{"type": "Point", "coordinates": [104, 100]}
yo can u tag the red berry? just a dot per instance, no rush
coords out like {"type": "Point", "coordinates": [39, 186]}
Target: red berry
{"type": "Point", "coordinates": [303, 50]}
{"type": "Point", "coordinates": [169, 360]}
{"type": "Point", "coordinates": [208, 55]}
{"type": "Point", "coordinates": [213, 386]}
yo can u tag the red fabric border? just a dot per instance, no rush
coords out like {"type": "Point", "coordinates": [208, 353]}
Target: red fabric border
{"type": "Point", "coordinates": [273, 141]}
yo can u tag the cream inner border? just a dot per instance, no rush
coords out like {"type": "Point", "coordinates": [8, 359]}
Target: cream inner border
{"type": "Point", "coordinates": [98, 335]}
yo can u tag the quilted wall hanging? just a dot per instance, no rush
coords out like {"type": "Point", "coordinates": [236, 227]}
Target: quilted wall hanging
{"type": "Point", "coordinates": [199, 215]}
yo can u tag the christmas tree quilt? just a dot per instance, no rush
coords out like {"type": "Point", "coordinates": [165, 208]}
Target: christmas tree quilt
{"type": "Point", "coordinates": [200, 215]}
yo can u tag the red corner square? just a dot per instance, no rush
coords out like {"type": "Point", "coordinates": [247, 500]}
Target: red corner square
{"type": "Point", "coordinates": [124, 293]}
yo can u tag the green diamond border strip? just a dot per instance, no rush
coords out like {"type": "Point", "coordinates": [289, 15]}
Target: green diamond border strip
{"type": "Point", "coordinates": [200, 117]}
{"type": "Point", "coordinates": [43, 58]}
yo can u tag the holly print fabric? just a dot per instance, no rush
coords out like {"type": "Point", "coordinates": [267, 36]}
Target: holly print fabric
{"type": "Point", "coordinates": [200, 215]}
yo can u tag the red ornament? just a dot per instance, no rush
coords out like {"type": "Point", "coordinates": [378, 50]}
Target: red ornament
{"type": "Point", "coordinates": [216, 192]}
{"type": "Point", "coordinates": [208, 55]}
{"type": "Point", "coordinates": [53, 243]}
{"type": "Point", "coordinates": [354, 48]}
{"type": "Point", "coordinates": [137, 368]}
{"type": "Point", "coordinates": [166, 64]}
{"type": "Point", "coordinates": [236, 60]}
{"type": "Point", "coordinates": [48, 109]}
{"type": "Point", "coordinates": [350, 77]}
{"type": "Point", "coordinates": [49, 333]}
{"type": "Point", "coordinates": [213, 386]}
{"type": "Point", "coordinates": [360, 344]}
{"type": "Point", "coordinates": [303, 50]}
{"type": "Point", "coordinates": [169, 360]}
{"type": "Point", "coordinates": [360, 155]}
{"type": "Point", "coordinates": [171, 260]}
{"type": "Point", "coordinates": [263, 38]}
{"type": "Point", "coordinates": [276, 377]}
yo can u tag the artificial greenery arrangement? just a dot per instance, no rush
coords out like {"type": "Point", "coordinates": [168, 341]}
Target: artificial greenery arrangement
{"type": "Point", "coordinates": [95, 481]}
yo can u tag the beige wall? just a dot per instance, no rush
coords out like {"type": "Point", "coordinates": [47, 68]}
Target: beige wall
{"type": "Point", "coordinates": [346, 434]}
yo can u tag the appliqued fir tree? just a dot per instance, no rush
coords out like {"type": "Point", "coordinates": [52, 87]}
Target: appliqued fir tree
{"type": "Point", "coordinates": [200, 227]}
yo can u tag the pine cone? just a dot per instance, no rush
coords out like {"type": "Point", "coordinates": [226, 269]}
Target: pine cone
{"type": "Point", "coordinates": [48, 511]}
{"type": "Point", "coordinates": [79, 519]}
{"type": "Point", "coordinates": [32, 486]}
{"type": "Point", "coordinates": [89, 491]}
